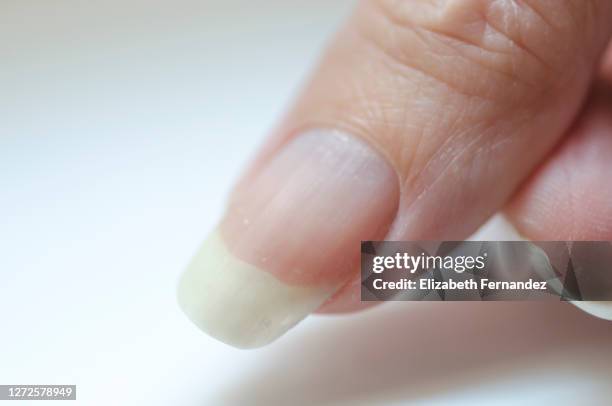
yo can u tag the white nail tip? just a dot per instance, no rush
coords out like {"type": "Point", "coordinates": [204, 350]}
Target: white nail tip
{"type": "Point", "coordinates": [239, 304]}
{"type": "Point", "coordinates": [602, 309]}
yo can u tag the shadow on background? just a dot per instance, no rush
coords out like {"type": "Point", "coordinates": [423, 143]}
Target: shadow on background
{"type": "Point", "coordinates": [413, 351]}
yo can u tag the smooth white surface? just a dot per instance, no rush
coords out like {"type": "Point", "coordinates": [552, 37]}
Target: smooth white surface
{"type": "Point", "coordinates": [123, 125]}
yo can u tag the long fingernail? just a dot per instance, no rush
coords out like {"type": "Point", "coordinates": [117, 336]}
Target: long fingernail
{"type": "Point", "coordinates": [290, 238]}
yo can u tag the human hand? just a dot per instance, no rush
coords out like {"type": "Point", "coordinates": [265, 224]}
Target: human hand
{"type": "Point", "coordinates": [423, 119]}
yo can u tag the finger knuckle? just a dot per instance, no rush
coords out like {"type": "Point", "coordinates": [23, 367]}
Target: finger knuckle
{"type": "Point", "coordinates": [470, 44]}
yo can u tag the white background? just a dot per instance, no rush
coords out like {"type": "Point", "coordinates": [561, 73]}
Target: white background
{"type": "Point", "coordinates": [122, 127]}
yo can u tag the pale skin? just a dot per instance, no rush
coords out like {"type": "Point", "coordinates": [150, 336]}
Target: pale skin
{"type": "Point", "coordinates": [527, 113]}
{"type": "Point", "coordinates": [469, 107]}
